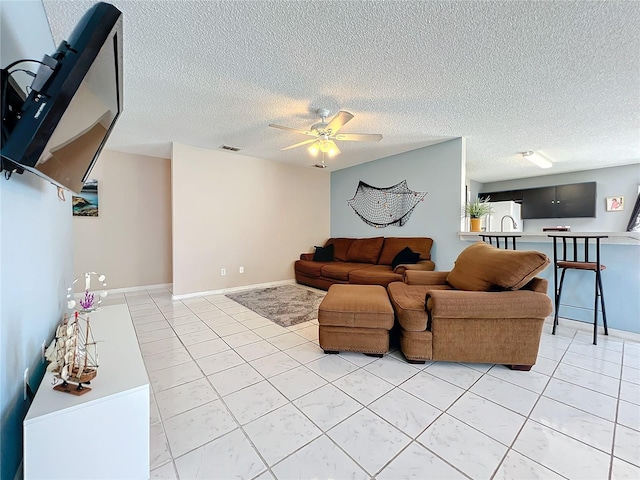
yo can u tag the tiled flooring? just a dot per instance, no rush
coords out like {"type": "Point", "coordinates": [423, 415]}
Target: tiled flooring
{"type": "Point", "coordinates": [236, 396]}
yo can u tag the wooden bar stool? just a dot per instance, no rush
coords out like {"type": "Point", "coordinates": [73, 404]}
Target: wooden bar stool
{"type": "Point", "coordinates": [576, 261]}
{"type": "Point", "coordinates": [490, 238]}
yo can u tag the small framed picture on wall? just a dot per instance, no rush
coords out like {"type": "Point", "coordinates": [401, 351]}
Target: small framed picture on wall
{"type": "Point", "coordinates": [615, 204]}
{"type": "Point", "coordinates": [86, 204]}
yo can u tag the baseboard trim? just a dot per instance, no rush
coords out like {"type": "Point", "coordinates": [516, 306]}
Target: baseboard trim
{"type": "Point", "coordinates": [167, 286]}
{"type": "Point", "coordinates": [158, 286]}
{"type": "Point", "coordinates": [232, 289]}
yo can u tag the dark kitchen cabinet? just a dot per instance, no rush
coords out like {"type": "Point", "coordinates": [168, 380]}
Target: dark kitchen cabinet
{"type": "Point", "coordinates": [559, 201]}
{"type": "Point", "coordinates": [539, 202]}
{"type": "Point", "coordinates": [515, 195]}
{"type": "Point", "coordinates": [562, 201]}
{"type": "Point", "coordinates": [576, 200]}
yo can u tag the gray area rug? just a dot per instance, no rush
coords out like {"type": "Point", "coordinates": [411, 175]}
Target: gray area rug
{"type": "Point", "coordinates": [285, 305]}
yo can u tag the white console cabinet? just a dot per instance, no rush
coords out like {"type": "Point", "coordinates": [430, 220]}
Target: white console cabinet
{"type": "Point", "coordinates": [103, 433]}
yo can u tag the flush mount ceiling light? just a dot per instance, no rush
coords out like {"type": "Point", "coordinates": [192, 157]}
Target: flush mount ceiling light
{"type": "Point", "coordinates": [537, 159]}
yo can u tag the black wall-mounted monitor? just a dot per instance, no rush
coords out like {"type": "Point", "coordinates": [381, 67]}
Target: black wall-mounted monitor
{"type": "Point", "coordinates": [62, 126]}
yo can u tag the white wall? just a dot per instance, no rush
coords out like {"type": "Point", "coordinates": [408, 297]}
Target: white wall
{"type": "Point", "coordinates": [231, 210]}
{"type": "Point", "coordinates": [437, 169]}
{"type": "Point", "coordinates": [35, 251]}
{"type": "Point", "coordinates": [473, 189]}
{"type": "Point", "coordinates": [130, 240]}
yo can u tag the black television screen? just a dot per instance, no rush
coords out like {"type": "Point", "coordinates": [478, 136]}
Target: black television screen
{"type": "Point", "coordinates": [63, 126]}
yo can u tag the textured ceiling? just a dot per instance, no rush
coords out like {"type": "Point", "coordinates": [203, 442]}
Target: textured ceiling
{"type": "Point", "coordinates": [562, 78]}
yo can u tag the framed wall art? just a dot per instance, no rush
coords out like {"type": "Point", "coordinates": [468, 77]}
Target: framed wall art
{"type": "Point", "coordinates": [615, 204]}
{"type": "Point", "coordinates": [86, 204]}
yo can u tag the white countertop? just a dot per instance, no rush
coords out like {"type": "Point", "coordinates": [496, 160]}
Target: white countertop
{"type": "Point", "coordinates": [618, 238]}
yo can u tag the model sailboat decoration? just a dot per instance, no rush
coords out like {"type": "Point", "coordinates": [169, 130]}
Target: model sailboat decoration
{"type": "Point", "coordinates": [73, 353]}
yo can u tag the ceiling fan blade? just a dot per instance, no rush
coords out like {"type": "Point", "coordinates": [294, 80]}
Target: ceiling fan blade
{"type": "Point", "coordinates": [281, 127]}
{"type": "Point", "coordinates": [359, 137]}
{"type": "Point", "coordinates": [338, 122]}
{"type": "Point", "coordinates": [306, 142]}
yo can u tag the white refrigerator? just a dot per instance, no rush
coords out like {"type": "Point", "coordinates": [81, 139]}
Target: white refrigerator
{"type": "Point", "coordinates": [500, 210]}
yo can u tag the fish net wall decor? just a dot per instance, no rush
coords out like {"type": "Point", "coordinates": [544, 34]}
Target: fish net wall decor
{"type": "Point", "coordinates": [381, 207]}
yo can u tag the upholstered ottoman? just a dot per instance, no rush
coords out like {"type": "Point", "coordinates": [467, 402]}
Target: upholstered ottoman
{"type": "Point", "coordinates": [355, 318]}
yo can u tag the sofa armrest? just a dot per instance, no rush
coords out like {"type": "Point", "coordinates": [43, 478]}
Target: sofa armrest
{"type": "Point", "coordinates": [421, 277]}
{"type": "Point", "coordinates": [422, 265]}
{"type": "Point", "coordinates": [493, 305]}
{"type": "Point", "coordinates": [537, 284]}
{"type": "Point", "coordinates": [306, 256]}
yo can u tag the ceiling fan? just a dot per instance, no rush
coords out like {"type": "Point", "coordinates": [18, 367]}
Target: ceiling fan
{"type": "Point", "coordinates": [324, 134]}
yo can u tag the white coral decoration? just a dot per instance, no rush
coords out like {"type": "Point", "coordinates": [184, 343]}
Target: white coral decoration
{"type": "Point", "coordinates": [89, 302]}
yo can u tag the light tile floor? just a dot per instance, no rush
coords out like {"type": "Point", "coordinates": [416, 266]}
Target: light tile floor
{"type": "Point", "coordinates": [236, 396]}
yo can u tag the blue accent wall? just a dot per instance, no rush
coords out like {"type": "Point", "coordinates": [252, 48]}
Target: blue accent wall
{"type": "Point", "coordinates": [437, 169]}
{"type": "Point", "coordinates": [621, 286]}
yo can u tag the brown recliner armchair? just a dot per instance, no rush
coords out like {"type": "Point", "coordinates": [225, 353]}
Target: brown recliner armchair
{"type": "Point", "coordinates": [489, 309]}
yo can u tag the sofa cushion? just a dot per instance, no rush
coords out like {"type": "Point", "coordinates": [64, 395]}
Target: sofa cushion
{"type": "Point", "coordinates": [393, 245]}
{"type": "Point", "coordinates": [340, 270]}
{"type": "Point", "coordinates": [482, 267]}
{"type": "Point", "coordinates": [363, 306]}
{"type": "Point", "coordinates": [406, 256]}
{"type": "Point", "coordinates": [323, 254]}
{"type": "Point", "coordinates": [340, 248]}
{"type": "Point", "coordinates": [309, 267]}
{"type": "Point", "coordinates": [374, 275]}
{"type": "Point", "coordinates": [365, 250]}
{"type": "Point", "coordinates": [409, 304]}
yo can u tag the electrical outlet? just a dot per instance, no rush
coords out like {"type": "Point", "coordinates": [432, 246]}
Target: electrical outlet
{"type": "Point", "coordinates": [43, 349]}
{"type": "Point", "coordinates": [25, 383]}
{"type": "Point", "coordinates": [223, 271]}
{"type": "Point", "coordinates": [241, 269]}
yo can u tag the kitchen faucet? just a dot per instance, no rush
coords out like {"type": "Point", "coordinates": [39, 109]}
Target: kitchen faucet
{"type": "Point", "coordinates": [515, 225]}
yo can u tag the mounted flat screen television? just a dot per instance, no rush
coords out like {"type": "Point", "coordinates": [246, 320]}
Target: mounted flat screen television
{"type": "Point", "coordinates": [60, 129]}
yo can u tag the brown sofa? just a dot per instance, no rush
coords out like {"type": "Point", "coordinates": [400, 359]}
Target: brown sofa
{"type": "Point", "coordinates": [489, 309]}
{"type": "Point", "coordinates": [363, 261]}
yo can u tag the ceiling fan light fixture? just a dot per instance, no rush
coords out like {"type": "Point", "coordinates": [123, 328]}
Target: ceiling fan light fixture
{"type": "Point", "coordinates": [333, 149]}
{"type": "Point", "coordinates": [324, 134]}
{"type": "Point", "coordinates": [314, 149]}
{"type": "Point", "coordinates": [537, 159]}
{"type": "Point", "coordinates": [325, 146]}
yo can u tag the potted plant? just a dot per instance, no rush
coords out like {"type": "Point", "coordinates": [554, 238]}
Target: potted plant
{"type": "Point", "coordinates": [476, 210]}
